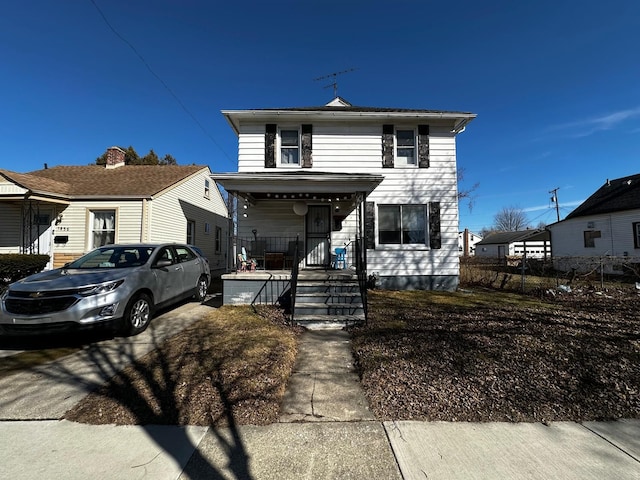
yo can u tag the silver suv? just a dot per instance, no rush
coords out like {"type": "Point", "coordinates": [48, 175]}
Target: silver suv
{"type": "Point", "coordinates": [114, 283]}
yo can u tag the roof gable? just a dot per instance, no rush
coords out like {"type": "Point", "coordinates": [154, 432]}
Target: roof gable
{"type": "Point", "coordinates": [614, 196]}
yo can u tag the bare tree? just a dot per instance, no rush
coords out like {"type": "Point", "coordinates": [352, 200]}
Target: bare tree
{"type": "Point", "coordinates": [510, 219]}
{"type": "Point", "coordinates": [466, 193]}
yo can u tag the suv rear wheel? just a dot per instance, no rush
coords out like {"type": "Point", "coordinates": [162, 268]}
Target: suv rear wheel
{"type": "Point", "coordinates": [201, 288]}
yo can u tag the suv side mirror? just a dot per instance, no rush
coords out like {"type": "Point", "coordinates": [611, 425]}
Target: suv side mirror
{"type": "Point", "coordinates": [162, 263]}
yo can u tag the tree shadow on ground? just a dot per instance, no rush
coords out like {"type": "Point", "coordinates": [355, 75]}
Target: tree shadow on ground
{"type": "Point", "coordinates": [114, 368]}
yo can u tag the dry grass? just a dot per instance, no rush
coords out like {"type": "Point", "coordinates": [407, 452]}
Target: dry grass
{"type": "Point", "coordinates": [231, 367]}
{"type": "Point", "coordinates": [496, 356]}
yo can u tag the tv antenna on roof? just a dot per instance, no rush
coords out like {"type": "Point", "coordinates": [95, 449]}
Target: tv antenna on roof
{"type": "Point", "coordinates": [334, 84]}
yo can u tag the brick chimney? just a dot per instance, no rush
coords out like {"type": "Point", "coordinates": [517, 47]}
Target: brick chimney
{"type": "Point", "coordinates": [115, 157]}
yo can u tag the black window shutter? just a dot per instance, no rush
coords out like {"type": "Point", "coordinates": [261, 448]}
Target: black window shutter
{"type": "Point", "coordinates": [423, 146]}
{"type": "Point", "coordinates": [270, 145]}
{"type": "Point", "coordinates": [387, 146]}
{"type": "Point", "coordinates": [435, 239]}
{"type": "Point", "coordinates": [307, 144]}
{"type": "Point", "coordinates": [370, 225]}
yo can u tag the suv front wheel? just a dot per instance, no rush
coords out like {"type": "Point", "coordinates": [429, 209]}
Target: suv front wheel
{"type": "Point", "coordinates": [137, 315]}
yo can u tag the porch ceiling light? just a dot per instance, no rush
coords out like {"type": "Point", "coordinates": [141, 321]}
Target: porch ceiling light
{"type": "Point", "coordinates": [300, 208]}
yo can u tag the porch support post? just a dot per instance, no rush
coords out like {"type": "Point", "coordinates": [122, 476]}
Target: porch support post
{"type": "Point", "coordinates": [362, 196]}
{"type": "Point", "coordinates": [232, 241]}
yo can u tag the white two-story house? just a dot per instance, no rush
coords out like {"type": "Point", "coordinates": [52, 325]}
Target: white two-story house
{"type": "Point", "coordinates": [380, 183]}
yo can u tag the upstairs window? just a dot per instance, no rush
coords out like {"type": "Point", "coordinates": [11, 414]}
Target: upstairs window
{"type": "Point", "coordinates": [289, 147]}
{"type": "Point", "coordinates": [206, 189]}
{"type": "Point", "coordinates": [405, 147]}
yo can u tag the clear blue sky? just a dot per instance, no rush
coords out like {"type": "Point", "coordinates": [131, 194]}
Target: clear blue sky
{"type": "Point", "coordinates": [555, 84]}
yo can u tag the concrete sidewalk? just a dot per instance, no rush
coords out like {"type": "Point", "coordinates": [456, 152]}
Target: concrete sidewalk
{"type": "Point", "coordinates": [325, 431]}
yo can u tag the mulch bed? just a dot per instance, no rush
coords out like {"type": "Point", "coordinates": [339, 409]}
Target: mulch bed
{"type": "Point", "coordinates": [494, 356]}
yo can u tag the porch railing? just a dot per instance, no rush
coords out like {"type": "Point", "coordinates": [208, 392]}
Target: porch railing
{"type": "Point", "coordinates": [270, 253]}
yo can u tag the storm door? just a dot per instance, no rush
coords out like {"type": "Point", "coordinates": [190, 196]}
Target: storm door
{"type": "Point", "coordinates": [318, 234]}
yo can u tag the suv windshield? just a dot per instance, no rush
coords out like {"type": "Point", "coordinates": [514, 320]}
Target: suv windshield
{"type": "Point", "coordinates": [114, 257]}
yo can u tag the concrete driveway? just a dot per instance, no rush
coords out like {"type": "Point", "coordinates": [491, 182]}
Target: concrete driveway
{"type": "Point", "coordinates": [49, 390]}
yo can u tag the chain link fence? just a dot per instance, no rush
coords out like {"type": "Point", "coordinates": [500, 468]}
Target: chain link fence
{"type": "Point", "coordinates": [563, 274]}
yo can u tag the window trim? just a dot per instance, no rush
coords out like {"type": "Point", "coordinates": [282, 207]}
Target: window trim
{"type": "Point", "coordinates": [218, 240]}
{"type": "Point", "coordinates": [636, 234]}
{"type": "Point", "coordinates": [397, 158]}
{"type": "Point", "coordinates": [191, 231]}
{"type": "Point", "coordinates": [90, 218]}
{"type": "Point", "coordinates": [402, 245]}
{"type": "Point", "coordinates": [289, 128]}
{"type": "Point", "coordinates": [590, 236]}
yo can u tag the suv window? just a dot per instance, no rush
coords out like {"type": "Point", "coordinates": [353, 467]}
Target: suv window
{"type": "Point", "coordinates": [184, 254]}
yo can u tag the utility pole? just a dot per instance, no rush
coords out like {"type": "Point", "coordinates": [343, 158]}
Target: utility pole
{"type": "Point", "coordinates": [554, 198]}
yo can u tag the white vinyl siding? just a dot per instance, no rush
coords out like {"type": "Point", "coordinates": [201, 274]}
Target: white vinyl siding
{"type": "Point", "coordinates": [169, 211]}
{"type": "Point", "coordinates": [616, 235]}
{"type": "Point", "coordinates": [348, 148]}
{"type": "Point", "coordinates": [10, 232]}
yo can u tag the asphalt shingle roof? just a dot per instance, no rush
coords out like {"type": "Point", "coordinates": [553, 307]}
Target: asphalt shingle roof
{"type": "Point", "coordinates": [614, 196]}
{"type": "Point", "coordinates": [95, 180]}
{"type": "Point", "coordinates": [509, 237]}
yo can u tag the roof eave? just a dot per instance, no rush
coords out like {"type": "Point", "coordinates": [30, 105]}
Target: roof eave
{"type": "Point", "coordinates": [460, 119]}
{"type": "Point", "coordinates": [267, 182]}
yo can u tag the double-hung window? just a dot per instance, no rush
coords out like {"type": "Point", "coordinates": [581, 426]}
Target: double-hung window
{"type": "Point", "coordinates": [103, 231]}
{"type": "Point", "coordinates": [636, 235]}
{"type": "Point", "coordinates": [289, 147]}
{"type": "Point", "coordinates": [405, 148]}
{"type": "Point", "coordinates": [402, 224]}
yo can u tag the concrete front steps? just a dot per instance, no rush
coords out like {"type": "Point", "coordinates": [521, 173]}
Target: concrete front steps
{"type": "Point", "coordinates": [330, 302]}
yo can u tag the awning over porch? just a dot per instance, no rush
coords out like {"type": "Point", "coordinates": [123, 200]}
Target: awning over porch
{"type": "Point", "coordinates": [266, 184]}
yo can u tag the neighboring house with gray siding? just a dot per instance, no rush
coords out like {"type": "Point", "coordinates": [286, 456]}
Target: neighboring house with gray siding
{"type": "Point", "coordinates": [66, 211]}
{"type": "Point", "coordinates": [605, 228]}
{"type": "Point", "coordinates": [338, 175]}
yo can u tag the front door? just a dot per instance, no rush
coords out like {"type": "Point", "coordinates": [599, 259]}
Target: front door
{"type": "Point", "coordinates": [40, 241]}
{"type": "Point", "coordinates": [318, 234]}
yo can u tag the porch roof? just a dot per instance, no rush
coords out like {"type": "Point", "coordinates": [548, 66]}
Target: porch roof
{"type": "Point", "coordinates": [261, 183]}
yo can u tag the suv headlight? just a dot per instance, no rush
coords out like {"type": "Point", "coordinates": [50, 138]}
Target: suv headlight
{"type": "Point", "coordinates": [100, 288]}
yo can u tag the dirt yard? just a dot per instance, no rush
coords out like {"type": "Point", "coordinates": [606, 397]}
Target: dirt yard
{"type": "Point", "coordinates": [496, 356]}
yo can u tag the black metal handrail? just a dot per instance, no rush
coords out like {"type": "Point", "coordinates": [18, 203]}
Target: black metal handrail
{"type": "Point", "coordinates": [361, 271]}
{"type": "Point", "coordinates": [294, 277]}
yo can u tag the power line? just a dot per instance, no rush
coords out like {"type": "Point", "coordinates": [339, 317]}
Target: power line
{"type": "Point", "coordinates": [162, 82]}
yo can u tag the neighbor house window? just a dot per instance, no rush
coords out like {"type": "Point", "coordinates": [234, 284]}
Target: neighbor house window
{"type": "Point", "coordinates": [218, 240]}
{"type": "Point", "coordinates": [206, 189]}
{"type": "Point", "coordinates": [191, 232]}
{"type": "Point", "coordinates": [636, 235]}
{"type": "Point", "coordinates": [405, 147]}
{"type": "Point", "coordinates": [402, 224]}
{"type": "Point", "coordinates": [103, 227]}
{"type": "Point", "coordinates": [590, 238]}
{"type": "Point", "coordinates": [289, 147]}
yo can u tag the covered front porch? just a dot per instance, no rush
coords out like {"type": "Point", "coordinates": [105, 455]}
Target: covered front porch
{"type": "Point", "coordinates": [294, 223]}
